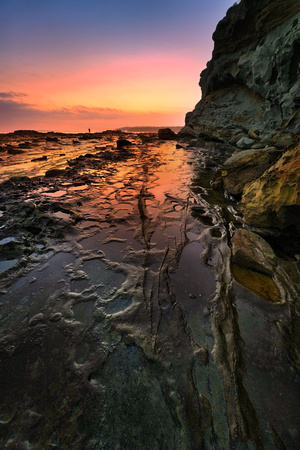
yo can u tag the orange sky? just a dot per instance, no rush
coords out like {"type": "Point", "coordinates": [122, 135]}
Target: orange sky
{"type": "Point", "coordinates": [71, 74]}
{"type": "Point", "coordinates": [153, 89]}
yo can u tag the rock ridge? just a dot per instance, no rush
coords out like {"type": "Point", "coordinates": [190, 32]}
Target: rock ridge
{"type": "Point", "coordinates": [252, 80]}
{"type": "Point", "coordinates": [249, 21]}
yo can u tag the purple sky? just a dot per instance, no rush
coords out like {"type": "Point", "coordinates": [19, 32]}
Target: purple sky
{"type": "Point", "coordinates": [69, 65]}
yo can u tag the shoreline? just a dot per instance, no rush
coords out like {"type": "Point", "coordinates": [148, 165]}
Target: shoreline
{"type": "Point", "coordinates": [126, 270]}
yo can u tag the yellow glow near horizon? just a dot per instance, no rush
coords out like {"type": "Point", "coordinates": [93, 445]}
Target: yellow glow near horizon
{"type": "Point", "coordinates": [150, 90]}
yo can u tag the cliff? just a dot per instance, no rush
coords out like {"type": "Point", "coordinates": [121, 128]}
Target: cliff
{"type": "Point", "coordinates": [251, 101]}
{"type": "Point", "coordinates": [253, 79]}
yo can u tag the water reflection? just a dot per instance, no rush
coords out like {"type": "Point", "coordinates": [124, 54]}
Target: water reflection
{"type": "Point", "coordinates": [131, 303]}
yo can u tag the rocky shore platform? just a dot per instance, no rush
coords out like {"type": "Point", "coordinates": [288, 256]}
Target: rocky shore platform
{"type": "Point", "coordinates": [149, 282]}
{"type": "Point", "coordinates": [140, 306]}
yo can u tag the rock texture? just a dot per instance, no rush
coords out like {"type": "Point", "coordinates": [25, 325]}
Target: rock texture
{"type": "Point", "coordinates": [251, 251]}
{"type": "Point", "coordinates": [166, 134]}
{"type": "Point", "coordinates": [273, 200]}
{"type": "Point", "coordinates": [252, 81]}
{"type": "Point", "coordinates": [251, 100]}
{"type": "Point", "coordinates": [245, 166]}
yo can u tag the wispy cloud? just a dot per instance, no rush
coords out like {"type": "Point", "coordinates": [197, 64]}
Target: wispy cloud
{"type": "Point", "coordinates": [15, 112]}
{"type": "Point", "coordinates": [8, 106]}
{"type": "Point", "coordinates": [12, 94]}
{"type": "Point", "coordinates": [21, 115]}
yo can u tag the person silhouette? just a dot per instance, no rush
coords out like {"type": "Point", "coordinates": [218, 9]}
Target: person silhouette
{"type": "Point", "coordinates": [89, 130]}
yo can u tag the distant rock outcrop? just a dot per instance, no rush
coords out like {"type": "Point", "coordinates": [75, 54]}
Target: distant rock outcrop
{"type": "Point", "coordinates": [253, 79]}
{"type": "Point", "coordinates": [166, 134]}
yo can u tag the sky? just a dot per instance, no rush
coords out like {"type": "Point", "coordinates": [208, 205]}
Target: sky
{"type": "Point", "coordinates": [70, 65]}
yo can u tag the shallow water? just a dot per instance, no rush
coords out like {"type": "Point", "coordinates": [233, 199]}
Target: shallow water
{"type": "Point", "coordinates": [131, 332]}
{"type": "Point", "coordinates": [57, 154]}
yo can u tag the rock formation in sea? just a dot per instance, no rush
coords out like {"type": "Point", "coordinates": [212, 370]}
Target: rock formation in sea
{"type": "Point", "coordinates": [251, 101]}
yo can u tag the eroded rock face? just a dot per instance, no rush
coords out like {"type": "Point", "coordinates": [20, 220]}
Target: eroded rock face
{"type": "Point", "coordinates": [244, 167]}
{"type": "Point", "coordinates": [251, 251]}
{"type": "Point", "coordinates": [252, 81]}
{"type": "Point", "coordinates": [273, 200]}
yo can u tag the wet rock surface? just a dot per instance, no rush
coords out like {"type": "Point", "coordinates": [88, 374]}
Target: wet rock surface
{"type": "Point", "coordinates": [273, 200]}
{"type": "Point", "coordinates": [127, 315]}
{"type": "Point", "coordinates": [245, 166]}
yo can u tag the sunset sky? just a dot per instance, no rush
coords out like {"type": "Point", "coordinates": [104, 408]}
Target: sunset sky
{"type": "Point", "coordinates": [70, 65]}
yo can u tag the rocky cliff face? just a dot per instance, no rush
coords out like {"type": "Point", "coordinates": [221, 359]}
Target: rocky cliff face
{"type": "Point", "coordinates": [253, 78]}
{"type": "Point", "coordinates": [251, 100]}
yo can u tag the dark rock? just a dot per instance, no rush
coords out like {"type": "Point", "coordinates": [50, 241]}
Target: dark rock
{"type": "Point", "coordinates": [202, 356]}
{"type": "Point", "coordinates": [51, 139]}
{"type": "Point", "coordinates": [258, 145]}
{"type": "Point", "coordinates": [37, 319]}
{"type": "Point", "coordinates": [123, 143]}
{"type": "Point", "coordinates": [252, 251]}
{"type": "Point", "coordinates": [24, 145]}
{"type": "Point", "coordinates": [147, 137]}
{"type": "Point", "coordinates": [26, 209]}
{"type": "Point", "coordinates": [236, 137]}
{"type": "Point", "coordinates": [42, 158]}
{"type": "Point", "coordinates": [54, 173]}
{"type": "Point", "coordinates": [284, 141]}
{"type": "Point", "coordinates": [252, 81]}
{"type": "Point", "coordinates": [20, 180]}
{"type": "Point", "coordinates": [166, 134]}
{"type": "Point", "coordinates": [33, 229]}
{"type": "Point", "coordinates": [30, 420]}
{"type": "Point", "coordinates": [267, 140]}
{"type": "Point", "coordinates": [245, 142]}
{"type": "Point", "coordinates": [56, 317]}
{"type": "Point", "coordinates": [254, 134]}
{"type": "Point", "coordinates": [15, 151]}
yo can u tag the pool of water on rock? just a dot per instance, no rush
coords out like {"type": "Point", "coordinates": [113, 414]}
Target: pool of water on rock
{"type": "Point", "coordinates": [130, 332]}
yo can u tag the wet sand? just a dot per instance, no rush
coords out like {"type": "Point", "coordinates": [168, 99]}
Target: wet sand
{"type": "Point", "coordinates": [121, 323]}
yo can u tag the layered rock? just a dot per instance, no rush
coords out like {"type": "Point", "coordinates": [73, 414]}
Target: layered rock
{"type": "Point", "coordinates": [252, 252]}
{"type": "Point", "coordinates": [253, 79]}
{"type": "Point", "coordinates": [273, 200]}
{"type": "Point", "coordinates": [246, 166]}
{"type": "Point", "coordinates": [267, 183]}
{"type": "Point", "coordinates": [253, 265]}
{"type": "Point", "coordinates": [251, 100]}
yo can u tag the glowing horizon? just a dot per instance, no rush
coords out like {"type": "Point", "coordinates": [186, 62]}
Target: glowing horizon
{"type": "Point", "coordinates": [123, 74]}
